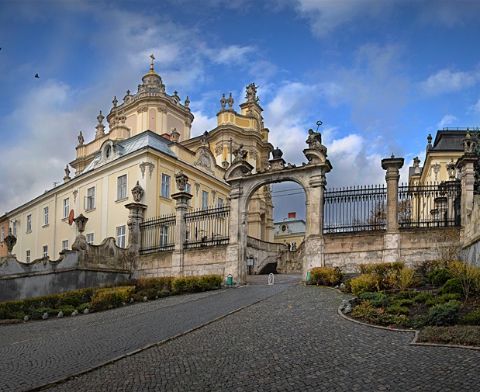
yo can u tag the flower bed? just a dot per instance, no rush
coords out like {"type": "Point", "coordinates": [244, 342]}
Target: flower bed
{"type": "Point", "coordinates": [90, 299]}
{"type": "Point", "coordinates": [441, 299]}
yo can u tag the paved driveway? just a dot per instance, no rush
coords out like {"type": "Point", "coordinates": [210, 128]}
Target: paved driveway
{"type": "Point", "coordinates": [291, 341]}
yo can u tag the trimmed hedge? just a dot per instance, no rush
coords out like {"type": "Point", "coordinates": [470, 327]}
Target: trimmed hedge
{"type": "Point", "coordinates": [325, 276]}
{"type": "Point", "coordinates": [106, 298]}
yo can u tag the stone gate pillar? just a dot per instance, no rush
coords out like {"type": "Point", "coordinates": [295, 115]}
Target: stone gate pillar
{"type": "Point", "coordinates": [136, 213]}
{"type": "Point", "coordinates": [391, 241]}
{"type": "Point", "coordinates": [181, 207]}
{"type": "Point", "coordinates": [466, 165]}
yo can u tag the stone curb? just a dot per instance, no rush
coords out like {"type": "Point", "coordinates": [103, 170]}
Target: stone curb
{"type": "Point", "coordinates": [131, 353]}
{"type": "Point", "coordinates": [414, 341]}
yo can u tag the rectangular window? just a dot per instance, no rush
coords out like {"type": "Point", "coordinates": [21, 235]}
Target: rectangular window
{"type": "Point", "coordinates": [90, 238]}
{"type": "Point", "coordinates": [188, 189]}
{"type": "Point", "coordinates": [64, 244]}
{"type": "Point", "coordinates": [2, 235]}
{"type": "Point", "coordinates": [163, 235]}
{"type": "Point", "coordinates": [165, 185]}
{"type": "Point", "coordinates": [204, 200]}
{"type": "Point", "coordinates": [14, 228]}
{"type": "Point", "coordinates": [45, 250]}
{"type": "Point", "coordinates": [45, 216]}
{"type": "Point", "coordinates": [27, 256]}
{"type": "Point", "coordinates": [121, 236]}
{"type": "Point", "coordinates": [219, 202]}
{"type": "Point", "coordinates": [122, 187]}
{"type": "Point", "coordinates": [66, 207]}
{"type": "Point", "coordinates": [90, 202]}
{"type": "Point", "coordinates": [29, 223]}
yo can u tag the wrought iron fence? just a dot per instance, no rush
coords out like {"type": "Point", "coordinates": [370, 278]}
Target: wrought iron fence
{"type": "Point", "coordinates": [208, 227]}
{"type": "Point", "coordinates": [430, 205]}
{"type": "Point", "coordinates": [355, 208]}
{"type": "Point", "coordinates": [158, 234]}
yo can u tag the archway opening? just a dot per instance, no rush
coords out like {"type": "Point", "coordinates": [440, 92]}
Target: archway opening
{"type": "Point", "coordinates": [276, 225]}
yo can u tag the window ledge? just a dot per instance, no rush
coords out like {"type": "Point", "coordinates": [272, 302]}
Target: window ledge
{"type": "Point", "coordinates": [45, 225]}
{"type": "Point", "coordinates": [90, 210]}
{"type": "Point", "coordinates": [28, 231]}
{"type": "Point", "coordinates": [121, 200]}
{"type": "Point", "coordinates": [165, 198]}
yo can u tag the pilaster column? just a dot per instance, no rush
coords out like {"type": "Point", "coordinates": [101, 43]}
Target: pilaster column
{"type": "Point", "coordinates": [466, 164]}
{"type": "Point", "coordinates": [391, 239]}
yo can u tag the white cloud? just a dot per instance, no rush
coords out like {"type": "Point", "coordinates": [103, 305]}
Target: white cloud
{"type": "Point", "coordinates": [446, 120]}
{"type": "Point", "coordinates": [447, 81]}
{"type": "Point", "coordinates": [202, 123]}
{"type": "Point", "coordinates": [475, 107]}
{"type": "Point", "coordinates": [232, 54]}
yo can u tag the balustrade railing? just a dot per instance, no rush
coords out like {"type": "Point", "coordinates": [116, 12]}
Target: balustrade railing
{"type": "Point", "coordinates": [158, 234]}
{"type": "Point", "coordinates": [355, 208]}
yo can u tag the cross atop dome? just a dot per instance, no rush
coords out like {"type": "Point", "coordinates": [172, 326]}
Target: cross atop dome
{"type": "Point", "coordinates": [152, 57]}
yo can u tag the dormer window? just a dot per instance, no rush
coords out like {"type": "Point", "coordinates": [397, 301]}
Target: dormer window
{"type": "Point", "coordinates": [108, 151]}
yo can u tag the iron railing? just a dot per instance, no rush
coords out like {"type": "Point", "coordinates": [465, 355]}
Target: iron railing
{"type": "Point", "coordinates": [158, 234]}
{"type": "Point", "coordinates": [207, 227]}
{"type": "Point", "coordinates": [430, 205]}
{"type": "Point", "coordinates": [355, 208]}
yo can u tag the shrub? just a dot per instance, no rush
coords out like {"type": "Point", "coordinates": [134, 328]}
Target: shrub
{"type": "Point", "coordinates": [443, 314]}
{"type": "Point", "coordinates": [375, 298]}
{"type": "Point", "coordinates": [364, 310]}
{"type": "Point", "coordinates": [423, 297]}
{"type": "Point", "coordinates": [363, 283]}
{"type": "Point", "coordinates": [160, 284]}
{"type": "Point", "coordinates": [427, 267]}
{"type": "Point", "coordinates": [472, 318]}
{"type": "Point", "coordinates": [406, 278]}
{"type": "Point", "coordinates": [386, 273]}
{"type": "Point", "coordinates": [193, 284]}
{"type": "Point", "coordinates": [397, 309]}
{"type": "Point", "coordinates": [326, 276]}
{"type": "Point", "coordinates": [111, 297]}
{"type": "Point", "coordinates": [438, 277]}
{"type": "Point", "coordinates": [467, 274]}
{"type": "Point", "coordinates": [452, 285]}
{"type": "Point", "coordinates": [404, 302]}
{"type": "Point", "coordinates": [442, 298]}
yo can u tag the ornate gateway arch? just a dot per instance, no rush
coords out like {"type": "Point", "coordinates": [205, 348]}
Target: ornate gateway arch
{"type": "Point", "coordinates": [310, 176]}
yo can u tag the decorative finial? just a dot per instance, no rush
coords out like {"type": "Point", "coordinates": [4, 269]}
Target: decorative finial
{"type": "Point", "coordinates": [429, 141]}
{"type": "Point", "coordinates": [152, 57]}
{"type": "Point", "coordinates": [318, 124]}
{"type": "Point", "coordinates": [128, 92]}
{"type": "Point", "coordinates": [393, 156]}
{"type": "Point", "coordinates": [223, 102]}
{"type": "Point", "coordinates": [115, 101]}
{"type": "Point", "coordinates": [100, 117]}
{"type": "Point", "coordinates": [230, 101]}
{"type": "Point", "coordinates": [81, 140]}
{"type": "Point", "coordinates": [187, 102]}
{"type": "Point", "coordinates": [251, 93]}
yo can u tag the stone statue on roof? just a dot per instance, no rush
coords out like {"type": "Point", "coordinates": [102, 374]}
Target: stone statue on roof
{"type": "Point", "coordinates": [251, 93]}
{"type": "Point", "coordinates": [81, 140]}
{"type": "Point", "coordinates": [314, 139]}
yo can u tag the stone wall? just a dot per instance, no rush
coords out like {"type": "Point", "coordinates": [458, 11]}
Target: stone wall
{"type": "Point", "coordinates": [96, 266]}
{"type": "Point", "coordinates": [348, 250]}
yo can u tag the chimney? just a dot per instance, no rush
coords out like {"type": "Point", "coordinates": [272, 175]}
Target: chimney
{"type": "Point", "coordinates": [292, 215]}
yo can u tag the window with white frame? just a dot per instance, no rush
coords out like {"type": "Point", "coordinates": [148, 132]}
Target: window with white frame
{"type": "Point", "coordinates": [219, 202]}
{"type": "Point", "coordinates": [27, 256]}
{"type": "Point", "coordinates": [204, 200]}
{"type": "Point", "coordinates": [121, 236]}
{"type": "Point", "coordinates": [90, 200]}
{"type": "Point", "coordinates": [2, 234]}
{"type": "Point", "coordinates": [64, 244]}
{"type": "Point", "coordinates": [29, 223]}
{"type": "Point", "coordinates": [45, 250]}
{"type": "Point", "coordinates": [165, 185]}
{"type": "Point", "coordinates": [188, 189]}
{"type": "Point", "coordinates": [90, 238]}
{"type": "Point", "coordinates": [45, 216]}
{"type": "Point", "coordinates": [14, 229]}
{"type": "Point", "coordinates": [66, 207]}
{"type": "Point", "coordinates": [122, 187]}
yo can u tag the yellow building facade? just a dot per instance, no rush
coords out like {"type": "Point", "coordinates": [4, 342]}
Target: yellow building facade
{"type": "Point", "coordinates": [147, 139]}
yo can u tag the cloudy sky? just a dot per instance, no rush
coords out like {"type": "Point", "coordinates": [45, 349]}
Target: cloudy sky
{"type": "Point", "coordinates": [380, 75]}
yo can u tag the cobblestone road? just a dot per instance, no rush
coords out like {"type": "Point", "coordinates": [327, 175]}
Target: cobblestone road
{"type": "Point", "coordinates": [293, 341]}
{"type": "Point", "coordinates": [37, 353]}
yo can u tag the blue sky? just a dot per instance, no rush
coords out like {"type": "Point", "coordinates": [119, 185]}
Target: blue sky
{"type": "Point", "coordinates": [380, 75]}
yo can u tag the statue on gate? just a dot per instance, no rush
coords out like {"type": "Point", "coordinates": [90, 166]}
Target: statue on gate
{"type": "Point", "coordinates": [314, 139]}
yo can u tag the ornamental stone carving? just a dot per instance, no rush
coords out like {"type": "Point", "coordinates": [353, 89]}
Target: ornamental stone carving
{"type": "Point", "coordinates": [150, 166]}
{"type": "Point", "coordinates": [251, 93]}
{"type": "Point", "coordinates": [182, 180]}
{"type": "Point", "coordinates": [81, 222]}
{"type": "Point", "coordinates": [314, 139]}
{"type": "Point", "coordinates": [137, 192]}
{"type": "Point", "coordinates": [240, 154]}
{"type": "Point", "coordinates": [10, 241]}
